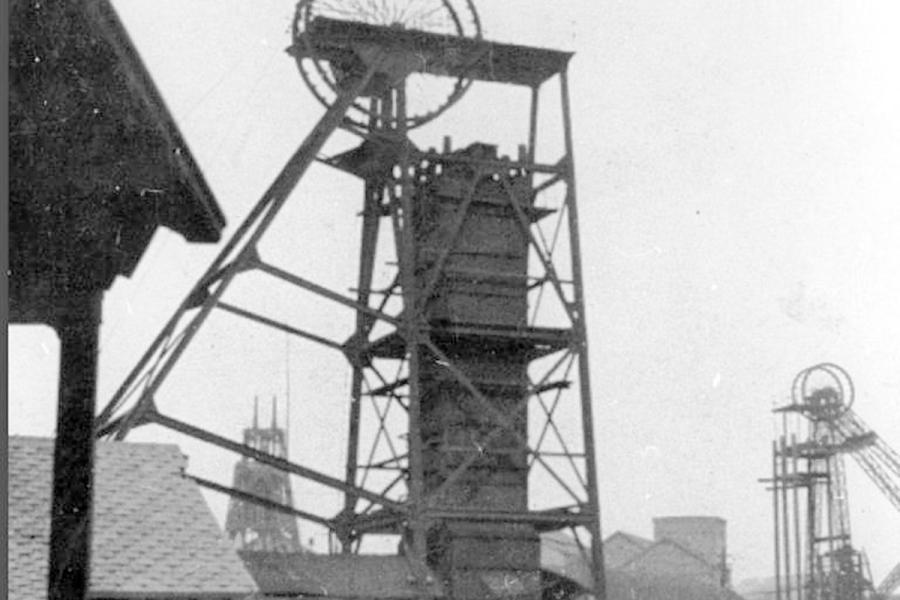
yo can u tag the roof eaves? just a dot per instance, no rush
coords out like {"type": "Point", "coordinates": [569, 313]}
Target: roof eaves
{"type": "Point", "coordinates": [168, 595]}
{"type": "Point", "coordinates": [206, 222]}
{"type": "Point", "coordinates": [686, 550]}
{"type": "Point", "coordinates": [664, 542]}
{"type": "Point", "coordinates": [634, 539]}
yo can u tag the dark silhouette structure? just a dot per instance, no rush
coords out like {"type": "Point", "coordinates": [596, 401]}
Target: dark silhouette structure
{"type": "Point", "coordinates": [96, 165]}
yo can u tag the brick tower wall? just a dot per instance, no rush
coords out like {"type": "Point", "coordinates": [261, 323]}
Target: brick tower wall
{"type": "Point", "coordinates": [483, 284]}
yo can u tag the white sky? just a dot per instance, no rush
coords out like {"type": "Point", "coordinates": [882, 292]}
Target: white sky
{"type": "Point", "coordinates": [738, 169]}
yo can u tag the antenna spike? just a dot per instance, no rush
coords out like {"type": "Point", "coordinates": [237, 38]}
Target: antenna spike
{"type": "Point", "coordinates": [255, 412]}
{"type": "Point", "coordinates": [287, 394]}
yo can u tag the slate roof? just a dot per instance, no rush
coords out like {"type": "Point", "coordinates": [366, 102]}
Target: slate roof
{"type": "Point", "coordinates": [338, 576]}
{"type": "Point", "coordinates": [153, 533]}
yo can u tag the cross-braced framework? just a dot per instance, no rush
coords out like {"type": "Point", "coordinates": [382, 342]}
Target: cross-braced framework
{"type": "Point", "coordinates": [814, 554]}
{"type": "Point", "coordinates": [890, 583]}
{"type": "Point", "coordinates": [472, 349]}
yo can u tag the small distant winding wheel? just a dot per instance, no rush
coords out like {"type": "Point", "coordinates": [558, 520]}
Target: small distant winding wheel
{"type": "Point", "coordinates": [318, 33]}
{"type": "Point", "coordinates": [825, 391]}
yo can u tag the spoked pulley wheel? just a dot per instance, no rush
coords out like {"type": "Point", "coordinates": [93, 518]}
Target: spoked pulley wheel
{"type": "Point", "coordinates": [428, 91]}
{"type": "Point", "coordinates": [824, 391]}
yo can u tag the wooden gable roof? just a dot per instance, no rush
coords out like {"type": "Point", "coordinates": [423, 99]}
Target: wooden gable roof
{"type": "Point", "coordinates": [96, 160]}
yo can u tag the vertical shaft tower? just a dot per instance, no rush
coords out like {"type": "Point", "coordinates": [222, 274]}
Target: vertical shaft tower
{"type": "Point", "coordinates": [470, 416]}
{"type": "Point", "coordinates": [814, 552]}
{"type": "Point", "coordinates": [249, 525]}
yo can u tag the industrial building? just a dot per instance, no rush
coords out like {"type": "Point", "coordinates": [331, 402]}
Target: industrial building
{"type": "Point", "coordinates": [478, 336]}
{"type": "Point", "coordinates": [685, 559]}
{"type": "Point", "coordinates": [156, 537]}
{"type": "Point", "coordinates": [467, 318]}
{"type": "Point", "coordinates": [97, 165]}
{"type": "Point", "coordinates": [690, 546]}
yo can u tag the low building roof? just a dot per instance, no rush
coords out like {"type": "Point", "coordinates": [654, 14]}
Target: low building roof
{"type": "Point", "coordinates": [663, 556]}
{"type": "Point", "coordinates": [651, 586]}
{"type": "Point", "coordinates": [153, 534]}
{"type": "Point", "coordinates": [342, 576]}
{"type": "Point", "coordinates": [621, 547]}
{"type": "Point", "coordinates": [562, 557]}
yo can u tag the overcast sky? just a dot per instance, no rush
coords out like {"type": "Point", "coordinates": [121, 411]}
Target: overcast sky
{"type": "Point", "coordinates": [738, 174]}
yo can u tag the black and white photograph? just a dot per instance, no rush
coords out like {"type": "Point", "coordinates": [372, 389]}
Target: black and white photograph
{"type": "Point", "coordinates": [453, 300]}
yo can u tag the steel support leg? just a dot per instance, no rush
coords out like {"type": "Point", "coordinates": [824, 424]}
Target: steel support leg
{"type": "Point", "coordinates": [73, 458]}
{"type": "Point", "coordinates": [579, 325]}
{"type": "Point", "coordinates": [411, 308]}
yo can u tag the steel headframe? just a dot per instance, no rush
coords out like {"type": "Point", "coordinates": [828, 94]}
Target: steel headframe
{"type": "Point", "coordinates": [814, 555]}
{"type": "Point", "coordinates": [409, 510]}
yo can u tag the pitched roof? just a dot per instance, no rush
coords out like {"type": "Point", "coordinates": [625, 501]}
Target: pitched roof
{"type": "Point", "coordinates": [621, 547]}
{"type": "Point", "coordinates": [635, 540]}
{"type": "Point", "coordinates": [661, 558]}
{"type": "Point", "coordinates": [153, 533]}
{"type": "Point", "coordinates": [338, 576]}
{"type": "Point", "coordinates": [96, 161]}
{"type": "Point", "coordinates": [82, 97]}
{"type": "Point", "coordinates": [561, 556]}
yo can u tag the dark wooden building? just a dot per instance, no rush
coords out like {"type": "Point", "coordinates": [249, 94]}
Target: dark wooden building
{"type": "Point", "coordinates": [96, 161]}
{"type": "Point", "coordinates": [96, 165]}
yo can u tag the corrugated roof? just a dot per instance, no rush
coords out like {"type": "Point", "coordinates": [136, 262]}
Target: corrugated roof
{"type": "Point", "coordinates": [339, 576]}
{"type": "Point", "coordinates": [153, 533]}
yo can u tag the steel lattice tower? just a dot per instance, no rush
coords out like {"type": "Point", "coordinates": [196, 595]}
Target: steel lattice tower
{"type": "Point", "coordinates": [250, 525]}
{"type": "Point", "coordinates": [815, 558]}
{"type": "Point", "coordinates": [474, 351]}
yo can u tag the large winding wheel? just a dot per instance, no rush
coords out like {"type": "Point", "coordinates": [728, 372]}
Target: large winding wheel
{"type": "Point", "coordinates": [329, 36]}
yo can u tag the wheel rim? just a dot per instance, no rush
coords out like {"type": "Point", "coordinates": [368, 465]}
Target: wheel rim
{"type": "Point", "coordinates": [428, 95]}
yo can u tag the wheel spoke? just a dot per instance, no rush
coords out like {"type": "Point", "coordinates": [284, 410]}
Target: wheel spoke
{"type": "Point", "coordinates": [430, 95]}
